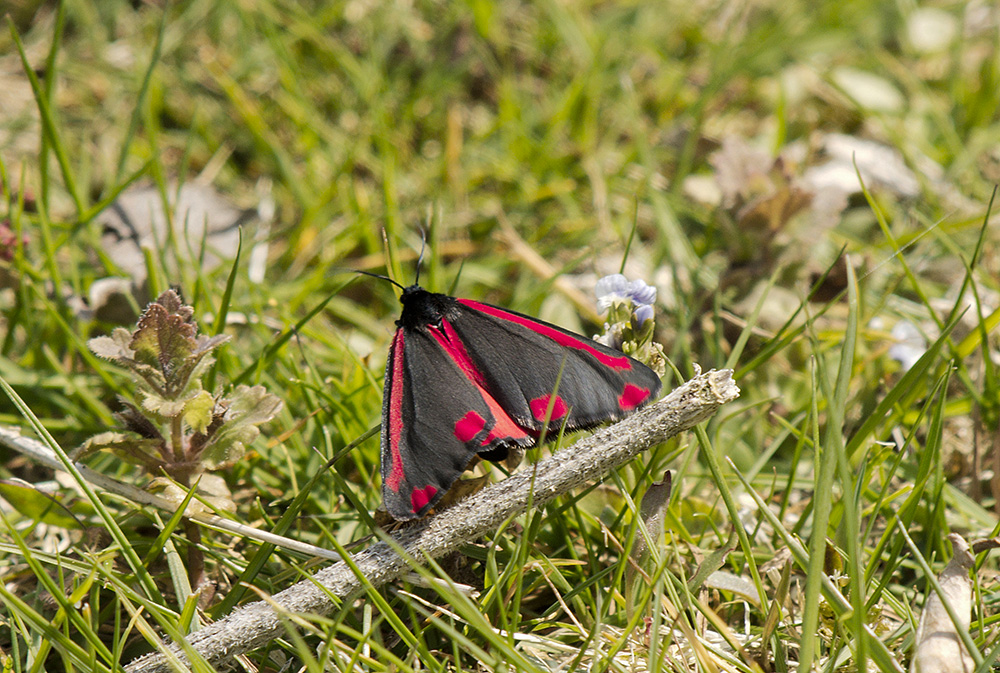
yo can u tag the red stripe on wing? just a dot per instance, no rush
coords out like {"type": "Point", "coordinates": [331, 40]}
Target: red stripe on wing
{"type": "Point", "coordinates": [504, 426]}
{"type": "Point", "coordinates": [562, 338]}
{"type": "Point", "coordinates": [453, 346]}
{"type": "Point", "coordinates": [395, 429]}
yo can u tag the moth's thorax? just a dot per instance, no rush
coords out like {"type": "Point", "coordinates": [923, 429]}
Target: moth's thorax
{"type": "Point", "coordinates": [422, 308]}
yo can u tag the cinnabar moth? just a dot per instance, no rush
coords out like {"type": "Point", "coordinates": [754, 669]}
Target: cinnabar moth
{"type": "Point", "coordinates": [466, 378]}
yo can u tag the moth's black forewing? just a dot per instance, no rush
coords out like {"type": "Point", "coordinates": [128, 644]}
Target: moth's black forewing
{"type": "Point", "coordinates": [532, 364]}
{"type": "Point", "coordinates": [474, 378]}
{"type": "Point", "coordinates": [432, 401]}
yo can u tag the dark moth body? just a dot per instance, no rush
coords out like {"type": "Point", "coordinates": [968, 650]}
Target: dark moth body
{"type": "Point", "coordinates": [465, 378]}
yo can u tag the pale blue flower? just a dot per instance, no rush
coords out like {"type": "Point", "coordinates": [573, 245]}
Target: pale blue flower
{"type": "Point", "coordinates": [617, 287]}
{"type": "Point", "coordinates": [630, 320]}
{"type": "Point", "coordinates": [642, 314]}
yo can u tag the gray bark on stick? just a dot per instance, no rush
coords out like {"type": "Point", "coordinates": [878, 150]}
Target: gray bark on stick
{"type": "Point", "coordinates": [255, 624]}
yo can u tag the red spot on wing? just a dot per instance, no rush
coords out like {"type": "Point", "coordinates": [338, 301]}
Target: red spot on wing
{"type": "Point", "coordinates": [540, 407]}
{"type": "Point", "coordinates": [562, 338]}
{"type": "Point", "coordinates": [421, 496]}
{"type": "Point", "coordinates": [469, 426]}
{"type": "Point", "coordinates": [395, 429]}
{"type": "Point", "coordinates": [632, 397]}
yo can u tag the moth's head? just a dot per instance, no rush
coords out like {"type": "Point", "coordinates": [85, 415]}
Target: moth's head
{"type": "Point", "coordinates": [411, 293]}
{"type": "Point", "coordinates": [423, 309]}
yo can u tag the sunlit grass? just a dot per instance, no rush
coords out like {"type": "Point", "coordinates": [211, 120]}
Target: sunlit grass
{"type": "Point", "coordinates": [491, 129]}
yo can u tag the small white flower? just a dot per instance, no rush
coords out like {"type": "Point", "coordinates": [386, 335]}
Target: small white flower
{"type": "Point", "coordinates": [612, 336]}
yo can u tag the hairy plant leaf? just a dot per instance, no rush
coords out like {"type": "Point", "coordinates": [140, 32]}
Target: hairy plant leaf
{"type": "Point", "coordinates": [135, 421]}
{"type": "Point", "coordinates": [127, 446]}
{"type": "Point", "coordinates": [193, 366]}
{"type": "Point", "coordinates": [113, 347]}
{"type": "Point", "coordinates": [163, 338]}
{"type": "Point", "coordinates": [248, 408]}
{"type": "Point", "coordinates": [167, 407]}
{"type": "Point", "coordinates": [198, 411]}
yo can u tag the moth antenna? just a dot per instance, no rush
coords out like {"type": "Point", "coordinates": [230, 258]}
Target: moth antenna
{"type": "Point", "coordinates": [420, 259]}
{"type": "Point", "coordinates": [379, 276]}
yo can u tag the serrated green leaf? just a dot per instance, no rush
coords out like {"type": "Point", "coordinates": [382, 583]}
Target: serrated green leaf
{"type": "Point", "coordinates": [99, 442]}
{"type": "Point", "coordinates": [228, 447]}
{"type": "Point", "coordinates": [129, 447]}
{"type": "Point", "coordinates": [173, 303]}
{"type": "Point", "coordinates": [253, 405]}
{"type": "Point", "coordinates": [188, 373]}
{"type": "Point", "coordinates": [197, 362]}
{"type": "Point", "coordinates": [113, 347]}
{"type": "Point", "coordinates": [149, 375]}
{"type": "Point", "coordinates": [167, 407]}
{"type": "Point", "coordinates": [198, 411]}
{"type": "Point", "coordinates": [163, 338]}
{"type": "Point", "coordinates": [206, 344]}
{"type": "Point", "coordinates": [248, 408]}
